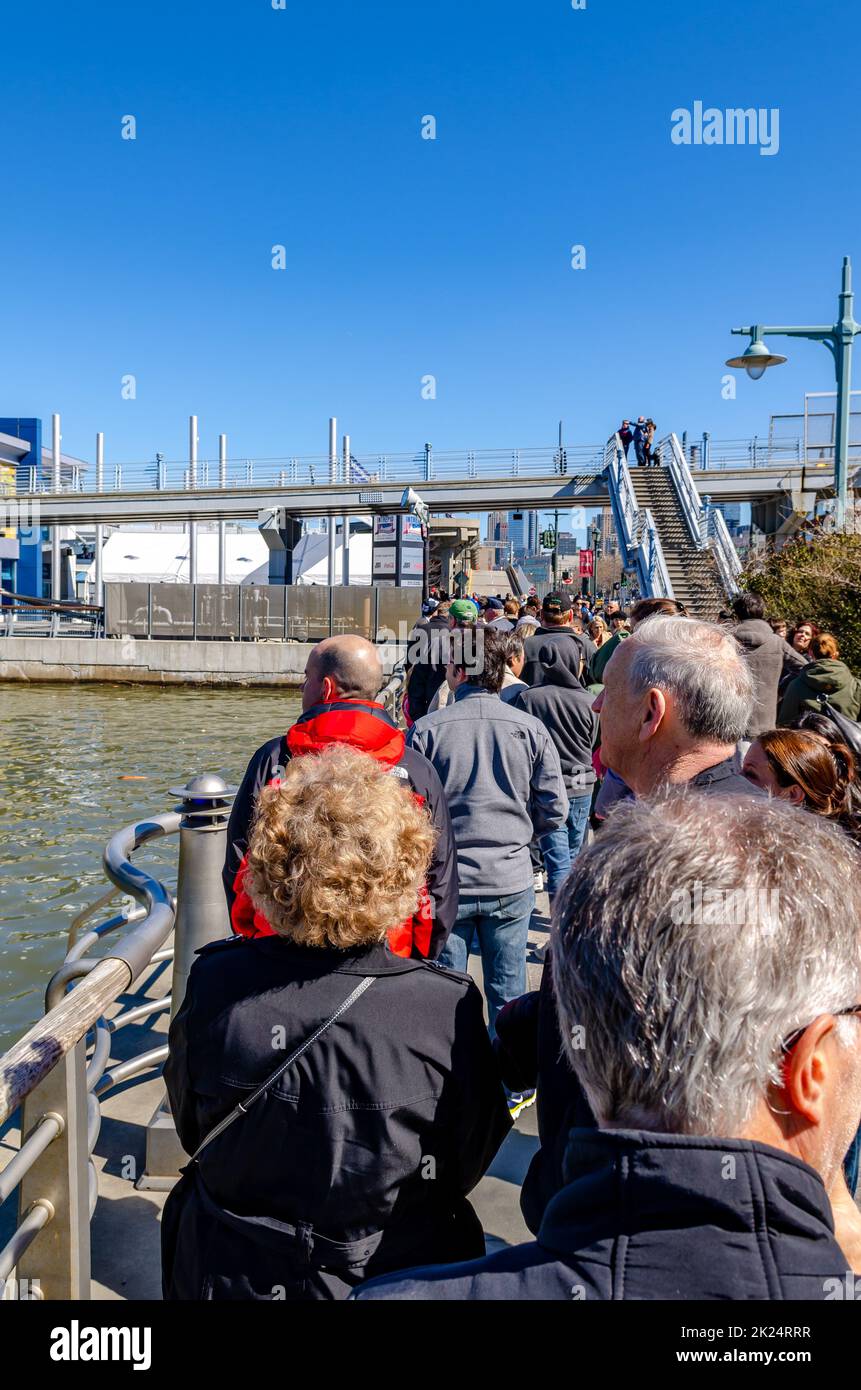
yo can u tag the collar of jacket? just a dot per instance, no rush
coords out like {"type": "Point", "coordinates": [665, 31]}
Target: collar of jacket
{"type": "Point", "coordinates": [678, 1182]}
{"type": "Point", "coordinates": [730, 767]}
{"type": "Point", "coordinates": [470, 692]}
{"type": "Point", "coordinates": [315, 961]}
{"type": "Point", "coordinates": [361, 724]}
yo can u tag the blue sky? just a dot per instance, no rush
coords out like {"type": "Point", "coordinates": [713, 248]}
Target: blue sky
{"type": "Point", "coordinates": [408, 257]}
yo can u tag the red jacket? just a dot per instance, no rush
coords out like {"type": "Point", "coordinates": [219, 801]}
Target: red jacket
{"type": "Point", "coordinates": [356, 723]}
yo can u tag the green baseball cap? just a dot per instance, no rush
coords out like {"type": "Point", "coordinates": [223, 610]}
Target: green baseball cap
{"type": "Point", "coordinates": [463, 610]}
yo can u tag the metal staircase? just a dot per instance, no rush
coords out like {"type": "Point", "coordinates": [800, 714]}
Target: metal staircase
{"type": "Point", "coordinates": [692, 571]}
{"type": "Point", "coordinates": [676, 542]}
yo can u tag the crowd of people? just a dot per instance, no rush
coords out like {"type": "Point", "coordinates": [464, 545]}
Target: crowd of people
{"type": "Point", "coordinates": [689, 794]}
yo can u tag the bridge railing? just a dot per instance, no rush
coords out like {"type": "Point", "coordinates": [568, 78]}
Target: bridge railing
{"type": "Point", "coordinates": [755, 452]}
{"type": "Point", "coordinates": [314, 471]}
{"type": "Point", "coordinates": [366, 470]}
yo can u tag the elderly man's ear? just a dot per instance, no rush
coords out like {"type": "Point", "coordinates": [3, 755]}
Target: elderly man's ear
{"type": "Point", "coordinates": [807, 1072]}
{"type": "Point", "coordinates": [656, 709]}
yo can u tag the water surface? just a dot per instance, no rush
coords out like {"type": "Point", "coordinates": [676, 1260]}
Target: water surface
{"type": "Point", "coordinates": [65, 749]}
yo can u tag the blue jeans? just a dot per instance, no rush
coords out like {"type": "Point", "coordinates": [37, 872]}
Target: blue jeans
{"type": "Point", "coordinates": [561, 847]}
{"type": "Point", "coordinates": [501, 926]}
{"type": "Point", "coordinates": [851, 1164]}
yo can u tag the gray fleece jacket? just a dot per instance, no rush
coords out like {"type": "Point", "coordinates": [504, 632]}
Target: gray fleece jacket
{"type": "Point", "coordinates": [503, 782]}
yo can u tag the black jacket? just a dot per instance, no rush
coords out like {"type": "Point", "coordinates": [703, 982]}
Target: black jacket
{"type": "Point", "coordinates": [654, 1217]}
{"type": "Point", "coordinates": [533, 670]}
{"type": "Point", "coordinates": [270, 760]}
{"type": "Point", "coordinates": [359, 1159]}
{"type": "Point", "coordinates": [531, 1053]}
{"type": "Point", "coordinates": [564, 707]}
{"type": "Point", "coordinates": [429, 642]}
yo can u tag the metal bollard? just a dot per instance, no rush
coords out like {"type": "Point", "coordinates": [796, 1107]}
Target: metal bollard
{"type": "Point", "coordinates": [201, 908]}
{"type": "Point", "coordinates": [201, 916]}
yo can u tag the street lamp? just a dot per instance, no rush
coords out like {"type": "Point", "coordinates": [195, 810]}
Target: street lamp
{"type": "Point", "coordinates": [838, 338]}
{"type": "Point", "coordinates": [411, 502]}
{"type": "Point", "coordinates": [595, 534]}
{"type": "Point", "coordinates": [756, 357]}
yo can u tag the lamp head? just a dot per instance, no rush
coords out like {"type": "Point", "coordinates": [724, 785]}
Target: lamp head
{"type": "Point", "coordinates": [756, 358]}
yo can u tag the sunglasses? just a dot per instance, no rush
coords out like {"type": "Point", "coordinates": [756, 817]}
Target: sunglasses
{"type": "Point", "coordinates": [789, 1043]}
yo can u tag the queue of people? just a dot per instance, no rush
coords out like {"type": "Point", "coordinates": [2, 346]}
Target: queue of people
{"type": "Point", "coordinates": [331, 1070]}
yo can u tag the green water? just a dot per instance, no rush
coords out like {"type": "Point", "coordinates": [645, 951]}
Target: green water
{"type": "Point", "coordinates": [64, 750]}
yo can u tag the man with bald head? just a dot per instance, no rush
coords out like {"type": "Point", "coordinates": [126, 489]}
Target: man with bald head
{"type": "Point", "coordinates": [343, 677]}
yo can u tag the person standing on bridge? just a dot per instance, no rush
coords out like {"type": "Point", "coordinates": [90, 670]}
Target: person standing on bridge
{"type": "Point", "coordinates": [652, 459]}
{"type": "Point", "coordinates": [640, 446]}
{"type": "Point", "coordinates": [626, 434]}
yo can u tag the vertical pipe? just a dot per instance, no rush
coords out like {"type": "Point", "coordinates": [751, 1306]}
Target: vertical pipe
{"type": "Point", "coordinates": [222, 525]}
{"type": "Point", "coordinates": [192, 482]}
{"type": "Point", "coordinates": [100, 487]}
{"type": "Point", "coordinates": [843, 341]}
{"type": "Point", "coordinates": [333, 478]}
{"type": "Point", "coordinates": [56, 576]}
{"type": "Point", "coordinates": [345, 520]}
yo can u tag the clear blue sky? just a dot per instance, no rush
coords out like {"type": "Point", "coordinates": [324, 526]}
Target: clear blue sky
{"type": "Point", "coordinates": [409, 257]}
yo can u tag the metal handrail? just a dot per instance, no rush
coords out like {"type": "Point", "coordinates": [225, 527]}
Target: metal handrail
{"type": "Point", "coordinates": [674, 461]}
{"type": "Point", "coordinates": [722, 546]}
{"type": "Point", "coordinates": [653, 563]}
{"type": "Point", "coordinates": [30, 1060]}
{"type": "Point", "coordinates": [48, 1069]}
{"type": "Point", "coordinates": [70, 1018]}
{"type": "Point", "coordinates": [173, 475]}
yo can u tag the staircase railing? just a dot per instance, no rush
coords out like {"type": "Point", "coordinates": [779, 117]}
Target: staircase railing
{"type": "Point", "coordinates": [674, 461]}
{"type": "Point", "coordinates": [635, 526]}
{"type": "Point", "coordinates": [654, 565]}
{"type": "Point", "coordinates": [705, 524]}
{"type": "Point", "coordinates": [721, 545]}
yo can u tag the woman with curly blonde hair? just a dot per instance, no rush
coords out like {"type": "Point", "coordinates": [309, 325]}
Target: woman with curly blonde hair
{"type": "Point", "coordinates": [385, 1107]}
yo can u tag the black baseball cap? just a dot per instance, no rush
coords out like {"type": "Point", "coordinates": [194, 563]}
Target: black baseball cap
{"type": "Point", "coordinates": [557, 603]}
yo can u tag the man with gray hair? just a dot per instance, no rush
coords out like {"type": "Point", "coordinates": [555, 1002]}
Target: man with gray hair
{"type": "Point", "coordinates": [717, 1036]}
{"type": "Point", "coordinates": [677, 699]}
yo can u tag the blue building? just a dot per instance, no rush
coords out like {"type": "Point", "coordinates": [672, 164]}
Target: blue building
{"type": "Point", "coordinates": [25, 466]}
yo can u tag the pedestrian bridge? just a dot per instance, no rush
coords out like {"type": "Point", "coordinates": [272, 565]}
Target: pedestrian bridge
{"type": "Point", "coordinates": [468, 483]}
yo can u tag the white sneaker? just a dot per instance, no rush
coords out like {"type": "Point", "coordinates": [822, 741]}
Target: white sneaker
{"type": "Point", "coordinates": [538, 883]}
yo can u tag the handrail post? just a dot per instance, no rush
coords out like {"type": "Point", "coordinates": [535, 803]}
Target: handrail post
{"type": "Point", "coordinates": [201, 917]}
{"type": "Point", "coordinates": [57, 1262]}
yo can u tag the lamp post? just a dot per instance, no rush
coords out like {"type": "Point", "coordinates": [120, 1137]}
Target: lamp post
{"type": "Point", "coordinates": [595, 535]}
{"type": "Point", "coordinates": [411, 502]}
{"type": "Point", "coordinates": [838, 338]}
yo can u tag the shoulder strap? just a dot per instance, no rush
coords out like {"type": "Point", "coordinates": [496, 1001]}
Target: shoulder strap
{"type": "Point", "coordinates": [244, 1106]}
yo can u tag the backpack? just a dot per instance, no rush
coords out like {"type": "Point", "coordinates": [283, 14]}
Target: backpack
{"type": "Point", "coordinates": [850, 729]}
